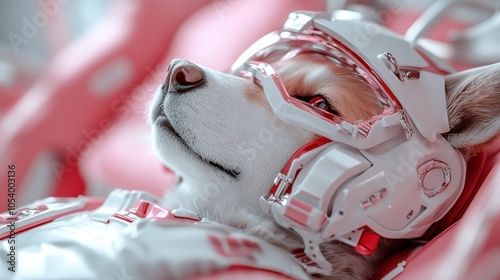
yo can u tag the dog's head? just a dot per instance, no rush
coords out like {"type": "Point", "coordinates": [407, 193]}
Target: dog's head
{"type": "Point", "coordinates": [219, 134]}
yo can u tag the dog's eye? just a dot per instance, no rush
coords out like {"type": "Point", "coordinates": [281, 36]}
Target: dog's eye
{"type": "Point", "coordinates": [319, 102]}
{"type": "Point", "coordinates": [322, 103]}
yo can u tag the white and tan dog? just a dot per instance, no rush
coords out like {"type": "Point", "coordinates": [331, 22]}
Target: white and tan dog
{"type": "Point", "coordinates": [218, 133]}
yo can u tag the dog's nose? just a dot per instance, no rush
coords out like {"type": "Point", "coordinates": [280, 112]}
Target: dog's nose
{"type": "Point", "coordinates": [185, 76]}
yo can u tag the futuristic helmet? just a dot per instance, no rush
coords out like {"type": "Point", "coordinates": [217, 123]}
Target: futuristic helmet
{"type": "Point", "coordinates": [392, 175]}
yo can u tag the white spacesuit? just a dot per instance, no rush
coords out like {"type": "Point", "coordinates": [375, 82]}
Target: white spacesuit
{"type": "Point", "coordinates": [130, 237]}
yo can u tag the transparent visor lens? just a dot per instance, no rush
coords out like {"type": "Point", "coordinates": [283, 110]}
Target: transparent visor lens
{"type": "Point", "coordinates": [312, 113]}
{"type": "Point", "coordinates": [264, 75]}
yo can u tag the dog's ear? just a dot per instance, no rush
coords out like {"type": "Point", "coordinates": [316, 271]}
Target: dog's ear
{"type": "Point", "coordinates": [473, 104]}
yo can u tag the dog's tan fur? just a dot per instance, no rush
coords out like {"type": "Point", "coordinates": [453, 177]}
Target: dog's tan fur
{"type": "Point", "coordinates": [224, 121]}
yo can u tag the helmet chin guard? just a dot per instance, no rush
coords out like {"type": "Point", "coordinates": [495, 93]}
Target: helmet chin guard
{"type": "Point", "coordinates": [392, 175]}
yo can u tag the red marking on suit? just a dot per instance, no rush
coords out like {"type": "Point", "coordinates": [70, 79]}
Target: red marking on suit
{"type": "Point", "coordinates": [231, 247]}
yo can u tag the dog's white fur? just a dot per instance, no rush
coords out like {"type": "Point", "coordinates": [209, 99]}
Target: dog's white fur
{"type": "Point", "coordinates": [227, 121]}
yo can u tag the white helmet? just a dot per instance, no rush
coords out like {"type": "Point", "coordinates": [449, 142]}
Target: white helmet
{"type": "Point", "coordinates": [392, 175]}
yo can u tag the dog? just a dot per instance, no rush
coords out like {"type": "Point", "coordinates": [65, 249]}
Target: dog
{"type": "Point", "coordinates": [218, 133]}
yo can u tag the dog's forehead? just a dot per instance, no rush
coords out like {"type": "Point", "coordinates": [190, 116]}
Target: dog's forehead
{"type": "Point", "coordinates": [312, 72]}
{"type": "Point", "coordinates": [305, 73]}
{"type": "Point", "coordinates": [305, 60]}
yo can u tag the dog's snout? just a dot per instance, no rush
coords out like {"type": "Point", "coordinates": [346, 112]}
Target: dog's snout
{"type": "Point", "coordinates": [185, 76]}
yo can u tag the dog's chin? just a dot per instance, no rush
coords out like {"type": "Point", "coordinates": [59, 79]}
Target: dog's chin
{"type": "Point", "coordinates": [164, 124]}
